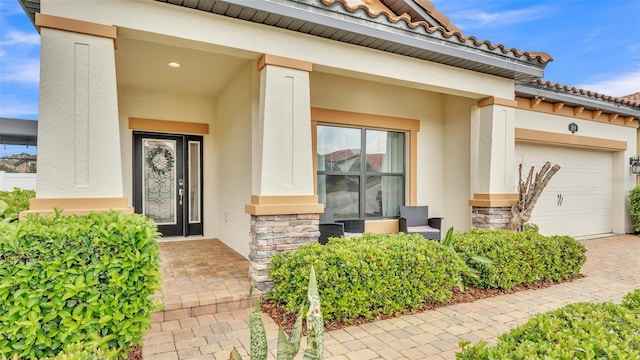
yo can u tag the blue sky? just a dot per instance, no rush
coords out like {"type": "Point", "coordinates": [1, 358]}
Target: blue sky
{"type": "Point", "coordinates": [595, 44]}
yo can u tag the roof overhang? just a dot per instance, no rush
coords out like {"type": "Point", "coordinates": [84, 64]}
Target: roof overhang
{"type": "Point", "coordinates": [357, 27]}
{"type": "Point", "coordinates": [18, 132]}
{"type": "Point", "coordinates": [334, 22]}
{"type": "Point", "coordinates": [551, 95]}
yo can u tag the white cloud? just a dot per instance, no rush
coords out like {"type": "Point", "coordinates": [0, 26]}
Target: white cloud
{"type": "Point", "coordinates": [21, 71]}
{"type": "Point", "coordinates": [20, 38]}
{"type": "Point", "coordinates": [619, 85]}
{"type": "Point", "coordinates": [475, 18]}
{"type": "Point", "coordinates": [20, 110]}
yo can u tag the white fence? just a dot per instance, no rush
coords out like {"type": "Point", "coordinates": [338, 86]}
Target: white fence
{"type": "Point", "coordinates": [23, 181]}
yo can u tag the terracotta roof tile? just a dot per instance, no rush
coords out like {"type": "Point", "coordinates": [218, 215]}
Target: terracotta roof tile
{"type": "Point", "coordinates": [633, 98]}
{"type": "Point", "coordinates": [450, 31]}
{"type": "Point", "coordinates": [629, 100]}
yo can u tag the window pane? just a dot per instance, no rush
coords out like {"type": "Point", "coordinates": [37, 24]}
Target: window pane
{"type": "Point", "coordinates": [385, 151]}
{"type": "Point", "coordinates": [338, 148]}
{"type": "Point", "coordinates": [384, 195]}
{"type": "Point", "coordinates": [340, 193]}
{"type": "Point", "coordinates": [194, 182]}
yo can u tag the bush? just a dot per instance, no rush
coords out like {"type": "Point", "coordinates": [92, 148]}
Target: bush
{"type": "Point", "coordinates": [519, 257]}
{"type": "Point", "coordinates": [69, 279]}
{"type": "Point", "coordinates": [632, 300]}
{"type": "Point", "coordinates": [14, 202]}
{"type": "Point", "coordinates": [634, 205]}
{"type": "Point", "coordinates": [576, 331]}
{"type": "Point", "coordinates": [367, 276]}
{"type": "Point", "coordinates": [84, 351]}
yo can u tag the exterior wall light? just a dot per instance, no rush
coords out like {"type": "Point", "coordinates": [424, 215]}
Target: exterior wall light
{"type": "Point", "coordinates": [634, 161]}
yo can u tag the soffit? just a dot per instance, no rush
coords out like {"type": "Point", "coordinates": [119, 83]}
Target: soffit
{"type": "Point", "coordinates": [355, 23]}
{"type": "Point", "coordinates": [572, 96]}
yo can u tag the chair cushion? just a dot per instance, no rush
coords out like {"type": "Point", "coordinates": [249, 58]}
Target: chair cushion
{"type": "Point", "coordinates": [422, 229]}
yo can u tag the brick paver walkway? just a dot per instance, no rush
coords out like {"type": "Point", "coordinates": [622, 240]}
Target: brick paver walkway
{"type": "Point", "coordinates": [612, 270]}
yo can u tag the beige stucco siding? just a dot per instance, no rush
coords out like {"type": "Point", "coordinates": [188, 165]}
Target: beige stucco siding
{"type": "Point", "coordinates": [233, 157]}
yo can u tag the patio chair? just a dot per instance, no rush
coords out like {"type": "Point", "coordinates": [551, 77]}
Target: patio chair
{"type": "Point", "coordinates": [330, 227]}
{"type": "Point", "coordinates": [416, 220]}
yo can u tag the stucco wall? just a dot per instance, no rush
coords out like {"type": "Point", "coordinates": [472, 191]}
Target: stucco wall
{"type": "Point", "coordinates": [233, 156]}
{"type": "Point", "coordinates": [457, 166]}
{"type": "Point", "coordinates": [622, 178]}
{"type": "Point", "coordinates": [347, 94]}
{"type": "Point", "coordinates": [161, 105]}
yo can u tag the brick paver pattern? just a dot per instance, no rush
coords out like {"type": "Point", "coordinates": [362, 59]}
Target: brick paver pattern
{"type": "Point", "coordinates": [612, 270]}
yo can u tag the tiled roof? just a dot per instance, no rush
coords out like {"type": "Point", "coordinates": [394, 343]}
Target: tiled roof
{"type": "Point", "coordinates": [629, 100]}
{"type": "Point", "coordinates": [633, 98]}
{"type": "Point", "coordinates": [445, 28]}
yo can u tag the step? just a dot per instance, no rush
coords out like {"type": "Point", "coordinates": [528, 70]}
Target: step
{"type": "Point", "coordinates": [176, 307]}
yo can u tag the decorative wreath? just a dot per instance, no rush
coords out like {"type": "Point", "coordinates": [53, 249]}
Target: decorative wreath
{"type": "Point", "coordinates": [159, 160]}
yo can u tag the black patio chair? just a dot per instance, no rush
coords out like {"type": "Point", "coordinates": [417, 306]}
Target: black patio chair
{"type": "Point", "coordinates": [416, 220]}
{"type": "Point", "coordinates": [330, 227]}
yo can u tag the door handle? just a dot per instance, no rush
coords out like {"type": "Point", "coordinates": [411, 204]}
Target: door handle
{"type": "Point", "coordinates": [560, 199]}
{"type": "Point", "coordinates": [181, 194]}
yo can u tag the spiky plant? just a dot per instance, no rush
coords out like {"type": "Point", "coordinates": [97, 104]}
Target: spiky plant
{"type": "Point", "coordinates": [288, 347]}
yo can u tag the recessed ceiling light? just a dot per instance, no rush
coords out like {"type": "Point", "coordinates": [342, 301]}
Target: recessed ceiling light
{"type": "Point", "coordinates": [174, 64]}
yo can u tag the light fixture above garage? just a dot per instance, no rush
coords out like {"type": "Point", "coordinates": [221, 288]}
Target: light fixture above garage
{"type": "Point", "coordinates": [634, 161]}
{"type": "Point", "coordinates": [174, 64]}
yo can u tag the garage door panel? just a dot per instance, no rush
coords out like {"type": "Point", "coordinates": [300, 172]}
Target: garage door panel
{"type": "Point", "coordinates": [577, 200]}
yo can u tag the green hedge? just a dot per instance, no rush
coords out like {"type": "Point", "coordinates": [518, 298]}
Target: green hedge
{"type": "Point", "coordinates": [12, 202]}
{"type": "Point", "coordinates": [367, 276]}
{"type": "Point", "coordinates": [634, 204]}
{"type": "Point", "coordinates": [519, 257]}
{"type": "Point", "coordinates": [84, 351]}
{"type": "Point", "coordinates": [69, 279]}
{"type": "Point", "coordinates": [576, 331]}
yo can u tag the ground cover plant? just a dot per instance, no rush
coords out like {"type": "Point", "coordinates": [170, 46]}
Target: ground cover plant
{"type": "Point", "coordinates": [380, 276]}
{"type": "Point", "coordinates": [13, 202]}
{"type": "Point", "coordinates": [70, 279]}
{"type": "Point", "coordinates": [576, 331]}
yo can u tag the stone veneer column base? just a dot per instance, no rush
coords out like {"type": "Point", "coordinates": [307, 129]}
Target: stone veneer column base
{"type": "Point", "coordinates": [271, 234]}
{"type": "Point", "coordinates": [490, 217]}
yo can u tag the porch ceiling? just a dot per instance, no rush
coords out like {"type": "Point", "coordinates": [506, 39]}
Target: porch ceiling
{"type": "Point", "coordinates": [144, 64]}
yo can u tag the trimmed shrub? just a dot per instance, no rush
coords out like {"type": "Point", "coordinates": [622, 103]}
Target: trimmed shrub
{"type": "Point", "coordinates": [69, 279]}
{"type": "Point", "coordinates": [13, 202]}
{"type": "Point", "coordinates": [84, 351]}
{"type": "Point", "coordinates": [632, 300]}
{"type": "Point", "coordinates": [634, 205]}
{"type": "Point", "coordinates": [519, 257]}
{"type": "Point", "coordinates": [367, 276]}
{"type": "Point", "coordinates": [576, 331]}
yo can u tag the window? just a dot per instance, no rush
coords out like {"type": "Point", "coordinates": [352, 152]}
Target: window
{"type": "Point", "coordinates": [361, 171]}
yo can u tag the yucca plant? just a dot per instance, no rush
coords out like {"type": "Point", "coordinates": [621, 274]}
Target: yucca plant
{"type": "Point", "coordinates": [288, 346]}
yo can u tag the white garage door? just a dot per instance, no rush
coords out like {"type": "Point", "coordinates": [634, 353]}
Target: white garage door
{"type": "Point", "coordinates": [577, 200]}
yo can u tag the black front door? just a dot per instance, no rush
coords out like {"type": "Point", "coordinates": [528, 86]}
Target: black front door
{"type": "Point", "coordinates": [167, 177]}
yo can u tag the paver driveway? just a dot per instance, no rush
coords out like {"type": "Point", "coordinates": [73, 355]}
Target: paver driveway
{"type": "Point", "coordinates": [612, 269]}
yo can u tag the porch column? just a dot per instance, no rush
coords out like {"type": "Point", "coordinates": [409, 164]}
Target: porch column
{"type": "Point", "coordinates": [284, 209]}
{"type": "Point", "coordinates": [79, 161]}
{"type": "Point", "coordinates": [492, 163]}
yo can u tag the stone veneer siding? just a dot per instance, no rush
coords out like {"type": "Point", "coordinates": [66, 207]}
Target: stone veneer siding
{"type": "Point", "coordinates": [490, 217]}
{"type": "Point", "coordinates": [271, 234]}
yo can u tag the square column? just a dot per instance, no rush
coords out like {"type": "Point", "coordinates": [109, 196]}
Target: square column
{"type": "Point", "coordinates": [78, 131]}
{"type": "Point", "coordinates": [493, 179]}
{"type": "Point", "coordinates": [284, 208]}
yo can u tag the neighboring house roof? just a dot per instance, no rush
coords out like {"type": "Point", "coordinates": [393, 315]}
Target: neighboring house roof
{"type": "Point", "coordinates": [18, 132]}
{"type": "Point", "coordinates": [572, 96]}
